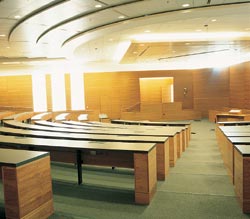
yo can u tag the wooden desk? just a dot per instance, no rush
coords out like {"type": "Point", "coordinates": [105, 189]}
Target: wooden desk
{"type": "Point", "coordinates": [27, 184]}
{"type": "Point", "coordinates": [140, 156]}
{"type": "Point", "coordinates": [234, 123]}
{"type": "Point", "coordinates": [5, 114]}
{"type": "Point", "coordinates": [182, 130]}
{"type": "Point", "coordinates": [186, 124]}
{"type": "Point", "coordinates": [162, 143]}
{"type": "Point", "coordinates": [173, 133]}
{"type": "Point", "coordinates": [231, 117]}
{"type": "Point", "coordinates": [21, 117]}
{"type": "Point", "coordinates": [242, 175]}
{"type": "Point", "coordinates": [173, 136]}
{"type": "Point", "coordinates": [61, 117]}
{"type": "Point", "coordinates": [235, 141]}
{"type": "Point", "coordinates": [41, 116]}
{"type": "Point", "coordinates": [226, 142]}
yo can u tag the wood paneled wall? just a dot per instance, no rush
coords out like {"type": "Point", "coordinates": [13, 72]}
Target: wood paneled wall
{"type": "Point", "coordinates": [211, 90]}
{"type": "Point", "coordinates": [16, 92]}
{"type": "Point", "coordinates": [112, 93]}
{"type": "Point", "coordinates": [240, 86]}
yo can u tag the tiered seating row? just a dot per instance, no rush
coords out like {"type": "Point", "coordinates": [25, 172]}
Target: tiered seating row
{"type": "Point", "coordinates": [149, 150]}
{"type": "Point", "coordinates": [234, 145]}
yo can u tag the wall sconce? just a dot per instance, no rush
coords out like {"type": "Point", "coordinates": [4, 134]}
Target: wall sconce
{"type": "Point", "coordinates": [185, 91]}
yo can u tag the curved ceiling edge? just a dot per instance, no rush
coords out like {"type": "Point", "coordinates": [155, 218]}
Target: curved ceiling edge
{"type": "Point", "coordinates": [147, 15]}
{"type": "Point", "coordinates": [83, 15]}
{"type": "Point", "coordinates": [35, 12]}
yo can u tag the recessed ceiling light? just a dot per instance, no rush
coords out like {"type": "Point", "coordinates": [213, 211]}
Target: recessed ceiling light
{"type": "Point", "coordinates": [213, 20]}
{"type": "Point", "coordinates": [121, 17]}
{"type": "Point", "coordinates": [185, 5]}
{"type": "Point", "coordinates": [147, 31]}
{"type": "Point", "coordinates": [17, 16]}
{"type": "Point", "coordinates": [98, 6]}
{"type": "Point", "coordinates": [2, 35]}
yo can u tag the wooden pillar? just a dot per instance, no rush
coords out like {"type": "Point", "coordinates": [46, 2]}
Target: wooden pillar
{"type": "Point", "coordinates": [172, 150]}
{"type": "Point", "coordinates": [145, 176]}
{"type": "Point", "coordinates": [242, 179]}
{"type": "Point", "coordinates": [28, 190]}
{"type": "Point", "coordinates": [162, 154]}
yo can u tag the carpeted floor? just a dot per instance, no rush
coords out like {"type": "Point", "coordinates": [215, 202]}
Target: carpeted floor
{"type": "Point", "coordinates": [197, 187]}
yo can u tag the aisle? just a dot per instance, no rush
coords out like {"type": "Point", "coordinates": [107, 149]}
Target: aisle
{"type": "Point", "coordinates": [199, 181]}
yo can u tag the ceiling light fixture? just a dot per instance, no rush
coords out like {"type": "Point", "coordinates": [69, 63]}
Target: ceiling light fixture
{"type": "Point", "coordinates": [2, 35]}
{"type": "Point", "coordinates": [98, 6]}
{"type": "Point", "coordinates": [121, 17]}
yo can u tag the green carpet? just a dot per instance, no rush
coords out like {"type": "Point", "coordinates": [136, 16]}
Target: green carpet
{"type": "Point", "coordinates": [197, 187]}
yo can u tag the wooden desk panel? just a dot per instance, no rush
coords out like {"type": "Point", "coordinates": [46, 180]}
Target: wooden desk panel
{"type": "Point", "coordinates": [27, 184]}
{"type": "Point", "coordinates": [234, 123]}
{"type": "Point", "coordinates": [242, 176]}
{"type": "Point", "coordinates": [231, 117]}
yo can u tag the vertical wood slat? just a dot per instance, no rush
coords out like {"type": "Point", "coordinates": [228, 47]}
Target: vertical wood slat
{"type": "Point", "coordinates": [49, 92]}
{"type": "Point", "coordinates": [68, 91]}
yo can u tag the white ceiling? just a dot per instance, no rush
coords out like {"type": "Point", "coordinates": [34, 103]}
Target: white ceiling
{"type": "Point", "coordinates": [33, 31]}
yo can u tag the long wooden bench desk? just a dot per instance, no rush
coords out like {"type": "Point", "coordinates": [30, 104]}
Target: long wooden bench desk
{"type": "Point", "coordinates": [27, 184]}
{"type": "Point", "coordinates": [242, 175]}
{"type": "Point", "coordinates": [24, 116]}
{"type": "Point", "coordinates": [5, 114]}
{"type": "Point", "coordinates": [231, 117]}
{"type": "Point", "coordinates": [173, 133]}
{"type": "Point", "coordinates": [139, 156]}
{"type": "Point", "coordinates": [186, 124]}
{"type": "Point", "coordinates": [235, 147]}
{"type": "Point", "coordinates": [183, 130]}
{"type": "Point", "coordinates": [234, 123]}
{"type": "Point", "coordinates": [162, 144]}
{"type": "Point", "coordinates": [41, 116]}
{"type": "Point", "coordinates": [227, 137]}
{"type": "Point", "coordinates": [172, 137]}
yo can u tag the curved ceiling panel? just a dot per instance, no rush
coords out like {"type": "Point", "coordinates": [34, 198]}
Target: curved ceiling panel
{"type": "Point", "coordinates": [94, 30]}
